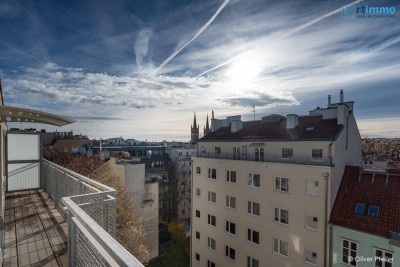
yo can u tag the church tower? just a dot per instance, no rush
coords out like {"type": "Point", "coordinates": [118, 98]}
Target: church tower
{"type": "Point", "coordinates": [194, 131]}
{"type": "Point", "coordinates": [207, 129]}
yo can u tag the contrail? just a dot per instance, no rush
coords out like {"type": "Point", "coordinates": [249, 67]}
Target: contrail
{"type": "Point", "coordinates": [202, 29]}
{"type": "Point", "coordinates": [300, 28]}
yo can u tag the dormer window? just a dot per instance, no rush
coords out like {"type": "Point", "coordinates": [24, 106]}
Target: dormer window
{"type": "Point", "coordinates": [373, 211]}
{"type": "Point", "coordinates": [360, 208]}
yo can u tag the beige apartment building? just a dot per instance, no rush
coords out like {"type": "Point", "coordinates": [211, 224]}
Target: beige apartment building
{"type": "Point", "coordinates": [263, 190]}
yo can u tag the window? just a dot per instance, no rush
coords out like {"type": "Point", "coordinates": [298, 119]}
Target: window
{"type": "Point", "coordinates": [231, 176]}
{"type": "Point", "coordinates": [311, 222]}
{"type": "Point", "coordinates": [252, 262]}
{"type": "Point", "coordinates": [253, 208]}
{"type": "Point", "coordinates": [253, 236]}
{"type": "Point", "coordinates": [259, 154]}
{"type": "Point", "coordinates": [212, 197]}
{"type": "Point", "coordinates": [211, 243]}
{"type": "Point", "coordinates": [198, 192]}
{"type": "Point", "coordinates": [198, 170]}
{"type": "Point", "coordinates": [230, 253]}
{"type": "Point", "coordinates": [197, 235]}
{"type": "Point", "coordinates": [236, 153]}
{"type": "Point", "coordinates": [349, 252]}
{"type": "Point", "coordinates": [383, 258]}
{"type": "Point", "coordinates": [310, 257]}
{"type": "Point", "coordinates": [287, 153]}
{"type": "Point", "coordinates": [210, 263]}
{"type": "Point", "coordinates": [197, 257]}
{"type": "Point", "coordinates": [183, 212]}
{"type": "Point", "coordinates": [231, 202]}
{"type": "Point", "coordinates": [212, 173]}
{"type": "Point", "coordinates": [254, 180]}
{"type": "Point", "coordinates": [373, 211]}
{"type": "Point", "coordinates": [281, 216]}
{"type": "Point", "coordinates": [312, 187]}
{"type": "Point", "coordinates": [212, 220]}
{"type": "Point", "coordinates": [230, 227]}
{"type": "Point", "coordinates": [217, 150]}
{"type": "Point", "coordinates": [197, 213]}
{"type": "Point", "coordinates": [280, 247]}
{"type": "Point", "coordinates": [282, 184]}
{"type": "Point", "coordinates": [360, 208]}
{"type": "Point", "coordinates": [316, 154]}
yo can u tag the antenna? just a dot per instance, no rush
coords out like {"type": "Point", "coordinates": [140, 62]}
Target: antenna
{"type": "Point", "coordinates": [254, 111]}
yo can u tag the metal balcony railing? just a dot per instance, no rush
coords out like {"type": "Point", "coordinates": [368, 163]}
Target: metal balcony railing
{"type": "Point", "coordinates": [90, 208]}
{"type": "Point", "coordinates": [324, 161]}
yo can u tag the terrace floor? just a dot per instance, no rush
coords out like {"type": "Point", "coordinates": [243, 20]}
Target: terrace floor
{"type": "Point", "coordinates": [35, 231]}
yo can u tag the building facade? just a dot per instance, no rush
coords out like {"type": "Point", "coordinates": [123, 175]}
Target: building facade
{"type": "Point", "coordinates": [263, 190]}
{"type": "Point", "coordinates": [365, 220]}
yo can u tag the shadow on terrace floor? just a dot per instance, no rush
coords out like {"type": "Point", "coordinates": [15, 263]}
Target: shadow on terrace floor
{"type": "Point", "coordinates": [35, 231]}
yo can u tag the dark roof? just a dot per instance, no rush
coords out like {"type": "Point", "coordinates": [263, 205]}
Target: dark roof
{"type": "Point", "coordinates": [264, 130]}
{"type": "Point", "coordinates": [352, 191]}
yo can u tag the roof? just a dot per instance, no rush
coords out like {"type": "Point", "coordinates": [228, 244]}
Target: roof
{"type": "Point", "coordinates": [377, 193]}
{"type": "Point", "coordinates": [17, 114]}
{"type": "Point", "coordinates": [67, 144]}
{"type": "Point", "coordinates": [324, 129]}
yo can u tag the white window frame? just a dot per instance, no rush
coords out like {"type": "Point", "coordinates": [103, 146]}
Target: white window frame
{"type": "Point", "coordinates": [195, 235]}
{"type": "Point", "coordinates": [212, 197]}
{"type": "Point", "coordinates": [312, 182]}
{"type": "Point", "coordinates": [288, 158]}
{"type": "Point", "coordinates": [278, 216]}
{"type": "Point", "coordinates": [210, 220]}
{"type": "Point", "coordinates": [195, 214]}
{"type": "Point", "coordinates": [210, 263]}
{"type": "Point", "coordinates": [306, 216]}
{"type": "Point", "coordinates": [311, 253]}
{"type": "Point", "coordinates": [198, 170]}
{"type": "Point", "coordinates": [250, 236]}
{"type": "Point", "coordinates": [229, 177]}
{"type": "Point", "coordinates": [198, 192]}
{"type": "Point", "coordinates": [280, 185]}
{"type": "Point", "coordinates": [250, 208]}
{"type": "Point", "coordinates": [251, 263]}
{"type": "Point", "coordinates": [228, 202]}
{"type": "Point", "coordinates": [252, 182]}
{"type": "Point", "coordinates": [317, 158]}
{"type": "Point", "coordinates": [389, 259]}
{"type": "Point", "coordinates": [349, 252]}
{"type": "Point", "coordinates": [197, 254]}
{"type": "Point", "coordinates": [212, 171]}
{"type": "Point", "coordinates": [278, 250]}
{"type": "Point", "coordinates": [228, 228]}
{"type": "Point", "coordinates": [210, 242]}
{"type": "Point", "coordinates": [228, 252]}
{"type": "Point", "coordinates": [236, 153]}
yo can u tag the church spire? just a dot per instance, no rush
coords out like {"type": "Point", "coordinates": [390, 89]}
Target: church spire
{"type": "Point", "coordinates": [207, 128]}
{"type": "Point", "coordinates": [194, 130]}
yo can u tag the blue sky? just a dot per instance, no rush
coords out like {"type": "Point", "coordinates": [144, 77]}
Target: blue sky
{"type": "Point", "coordinates": [139, 69]}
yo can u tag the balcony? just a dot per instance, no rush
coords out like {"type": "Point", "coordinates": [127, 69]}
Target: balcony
{"type": "Point", "coordinates": [69, 221]}
{"type": "Point", "coordinates": [325, 161]}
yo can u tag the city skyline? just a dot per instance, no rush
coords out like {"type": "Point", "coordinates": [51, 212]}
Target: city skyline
{"type": "Point", "coordinates": [141, 69]}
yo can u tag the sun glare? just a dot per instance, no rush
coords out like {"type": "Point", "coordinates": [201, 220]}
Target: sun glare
{"type": "Point", "coordinates": [243, 70]}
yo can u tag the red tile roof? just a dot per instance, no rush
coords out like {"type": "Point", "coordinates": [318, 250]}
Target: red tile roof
{"type": "Point", "coordinates": [261, 130]}
{"type": "Point", "coordinates": [351, 192]}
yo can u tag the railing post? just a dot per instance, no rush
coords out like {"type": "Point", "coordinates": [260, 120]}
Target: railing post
{"type": "Point", "coordinates": [105, 214]}
{"type": "Point", "coordinates": [71, 240]}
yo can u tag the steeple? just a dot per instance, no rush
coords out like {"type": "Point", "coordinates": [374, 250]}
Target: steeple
{"type": "Point", "coordinates": [207, 129]}
{"type": "Point", "coordinates": [194, 130]}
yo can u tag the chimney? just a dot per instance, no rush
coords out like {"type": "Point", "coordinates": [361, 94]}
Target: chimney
{"type": "Point", "coordinates": [329, 100]}
{"type": "Point", "coordinates": [341, 96]}
{"type": "Point", "coordinates": [292, 120]}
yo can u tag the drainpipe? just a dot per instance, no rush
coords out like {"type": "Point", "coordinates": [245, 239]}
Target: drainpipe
{"type": "Point", "coordinates": [326, 175]}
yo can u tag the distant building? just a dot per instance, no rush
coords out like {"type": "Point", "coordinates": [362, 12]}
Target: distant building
{"type": "Point", "coordinates": [365, 220]}
{"type": "Point", "coordinates": [144, 190]}
{"type": "Point", "coordinates": [263, 190]}
{"type": "Point", "coordinates": [207, 128]}
{"type": "Point", "coordinates": [194, 129]}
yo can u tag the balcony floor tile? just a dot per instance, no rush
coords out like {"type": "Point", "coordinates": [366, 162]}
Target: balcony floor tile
{"type": "Point", "coordinates": [35, 232]}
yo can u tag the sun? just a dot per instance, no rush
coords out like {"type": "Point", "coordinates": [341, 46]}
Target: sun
{"type": "Point", "coordinates": [244, 70]}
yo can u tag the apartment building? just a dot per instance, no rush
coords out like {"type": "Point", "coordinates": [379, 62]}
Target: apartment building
{"type": "Point", "coordinates": [263, 190]}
